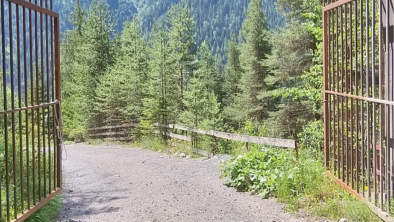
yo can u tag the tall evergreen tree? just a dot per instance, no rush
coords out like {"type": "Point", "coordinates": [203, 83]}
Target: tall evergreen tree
{"type": "Point", "coordinates": [160, 104]}
{"type": "Point", "coordinates": [119, 94]}
{"type": "Point", "coordinates": [255, 48]}
{"type": "Point", "coordinates": [100, 48]}
{"type": "Point", "coordinates": [75, 83]}
{"type": "Point", "coordinates": [201, 103]}
{"type": "Point", "coordinates": [233, 72]}
{"type": "Point", "coordinates": [181, 40]}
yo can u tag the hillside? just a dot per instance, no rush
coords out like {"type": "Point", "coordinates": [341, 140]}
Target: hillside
{"type": "Point", "coordinates": [215, 19]}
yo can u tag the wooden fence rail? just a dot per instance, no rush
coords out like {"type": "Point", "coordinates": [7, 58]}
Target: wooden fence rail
{"type": "Point", "coordinates": [112, 133]}
{"type": "Point", "coordinates": [123, 133]}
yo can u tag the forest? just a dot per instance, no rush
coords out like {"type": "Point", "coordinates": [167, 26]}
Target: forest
{"type": "Point", "coordinates": [215, 20]}
{"type": "Point", "coordinates": [166, 77]}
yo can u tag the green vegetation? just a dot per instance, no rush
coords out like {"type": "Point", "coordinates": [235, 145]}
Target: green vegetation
{"type": "Point", "coordinates": [47, 213]}
{"type": "Point", "coordinates": [300, 184]}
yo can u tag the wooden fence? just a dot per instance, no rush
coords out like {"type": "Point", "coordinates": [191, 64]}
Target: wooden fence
{"type": "Point", "coordinates": [274, 142]}
{"type": "Point", "coordinates": [124, 133]}
{"type": "Point", "coordinates": [112, 133]}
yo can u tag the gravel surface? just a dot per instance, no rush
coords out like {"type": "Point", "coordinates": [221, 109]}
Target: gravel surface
{"type": "Point", "coordinates": [105, 183]}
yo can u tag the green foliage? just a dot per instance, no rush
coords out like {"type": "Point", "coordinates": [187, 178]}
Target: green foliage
{"type": "Point", "coordinates": [299, 184]}
{"type": "Point", "coordinates": [258, 171]}
{"type": "Point", "coordinates": [254, 47]}
{"type": "Point", "coordinates": [312, 137]}
{"type": "Point", "coordinates": [126, 77]}
{"type": "Point", "coordinates": [181, 33]}
{"type": "Point", "coordinates": [47, 213]}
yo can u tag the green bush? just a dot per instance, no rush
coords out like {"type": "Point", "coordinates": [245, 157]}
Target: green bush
{"type": "Point", "coordinates": [258, 171]}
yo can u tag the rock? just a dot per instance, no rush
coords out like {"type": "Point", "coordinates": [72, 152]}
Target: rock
{"type": "Point", "coordinates": [182, 155]}
{"type": "Point", "coordinates": [342, 220]}
{"type": "Point", "coordinates": [188, 157]}
{"type": "Point", "coordinates": [159, 151]}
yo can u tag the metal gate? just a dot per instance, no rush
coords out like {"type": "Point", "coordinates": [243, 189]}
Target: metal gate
{"type": "Point", "coordinates": [30, 139]}
{"type": "Point", "coordinates": [359, 98]}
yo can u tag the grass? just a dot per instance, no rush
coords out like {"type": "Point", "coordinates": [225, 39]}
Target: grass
{"type": "Point", "coordinates": [47, 213]}
{"type": "Point", "coordinates": [156, 144]}
{"type": "Point", "coordinates": [316, 194]}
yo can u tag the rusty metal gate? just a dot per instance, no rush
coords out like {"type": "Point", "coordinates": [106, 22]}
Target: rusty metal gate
{"type": "Point", "coordinates": [359, 98]}
{"type": "Point", "coordinates": [30, 138]}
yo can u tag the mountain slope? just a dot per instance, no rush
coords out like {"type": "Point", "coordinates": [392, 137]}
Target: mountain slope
{"type": "Point", "coordinates": [215, 20]}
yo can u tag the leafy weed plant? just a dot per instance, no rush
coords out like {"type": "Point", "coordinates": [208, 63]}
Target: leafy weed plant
{"type": "Point", "coordinates": [300, 184]}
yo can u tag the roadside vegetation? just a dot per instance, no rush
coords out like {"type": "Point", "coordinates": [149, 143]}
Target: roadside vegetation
{"type": "Point", "coordinates": [47, 213]}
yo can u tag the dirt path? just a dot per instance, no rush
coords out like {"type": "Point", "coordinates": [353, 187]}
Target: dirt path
{"type": "Point", "coordinates": [125, 184]}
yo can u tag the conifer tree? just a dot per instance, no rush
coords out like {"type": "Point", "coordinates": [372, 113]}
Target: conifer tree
{"type": "Point", "coordinates": [181, 39]}
{"type": "Point", "coordinates": [201, 105]}
{"type": "Point", "coordinates": [119, 93]}
{"type": "Point", "coordinates": [255, 47]}
{"type": "Point", "coordinates": [100, 49]}
{"type": "Point", "coordinates": [160, 104]}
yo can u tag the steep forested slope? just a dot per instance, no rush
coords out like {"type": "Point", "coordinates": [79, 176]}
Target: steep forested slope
{"type": "Point", "coordinates": [215, 19]}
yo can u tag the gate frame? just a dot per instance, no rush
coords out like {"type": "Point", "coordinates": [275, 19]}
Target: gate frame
{"type": "Point", "coordinates": [56, 104]}
{"type": "Point", "coordinates": [329, 5]}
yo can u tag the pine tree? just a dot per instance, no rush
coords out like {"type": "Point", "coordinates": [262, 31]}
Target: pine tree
{"type": "Point", "coordinates": [100, 49]}
{"type": "Point", "coordinates": [288, 62]}
{"type": "Point", "coordinates": [181, 40]}
{"type": "Point", "coordinates": [74, 77]}
{"type": "Point", "coordinates": [119, 94]}
{"type": "Point", "coordinates": [255, 48]}
{"type": "Point", "coordinates": [201, 105]}
{"type": "Point", "coordinates": [233, 72]}
{"type": "Point", "coordinates": [160, 104]}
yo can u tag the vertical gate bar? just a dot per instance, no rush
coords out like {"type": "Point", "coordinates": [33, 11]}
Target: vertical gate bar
{"type": "Point", "coordinates": [334, 105]}
{"type": "Point", "coordinates": [58, 97]}
{"type": "Point", "coordinates": [18, 52]}
{"type": "Point", "coordinates": [349, 146]}
{"type": "Point", "coordinates": [361, 152]}
{"type": "Point", "coordinates": [380, 105]}
{"type": "Point", "coordinates": [38, 110]}
{"type": "Point", "coordinates": [12, 105]}
{"type": "Point", "coordinates": [339, 99]}
{"type": "Point", "coordinates": [53, 108]}
{"type": "Point", "coordinates": [345, 145]}
{"type": "Point", "coordinates": [368, 170]}
{"type": "Point", "coordinates": [4, 70]}
{"type": "Point", "coordinates": [352, 91]}
{"type": "Point", "coordinates": [374, 165]}
{"type": "Point", "coordinates": [327, 35]}
{"type": "Point", "coordinates": [26, 105]}
{"type": "Point", "coordinates": [53, 98]}
{"type": "Point", "coordinates": [387, 83]}
{"type": "Point", "coordinates": [47, 165]}
{"type": "Point", "coordinates": [357, 75]}
{"type": "Point", "coordinates": [33, 101]}
{"type": "Point", "coordinates": [42, 36]}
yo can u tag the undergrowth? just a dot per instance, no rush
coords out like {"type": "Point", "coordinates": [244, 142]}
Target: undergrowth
{"type": "Point", "coordinates": [156, 144]}
{"type": "Point", "coordinates": [302, 185]}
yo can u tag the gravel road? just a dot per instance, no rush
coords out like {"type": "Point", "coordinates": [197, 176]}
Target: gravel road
{"type": "Point", "coordinates": [105, 183]}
